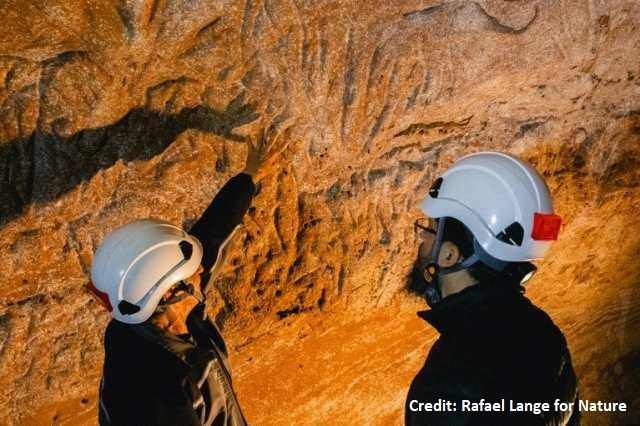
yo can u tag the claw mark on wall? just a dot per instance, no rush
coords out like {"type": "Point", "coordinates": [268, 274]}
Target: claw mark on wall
{"type": "Point", "coordinates": [422, 13]}
{"type": "Point", "coordinates": [155, 6]}
{"type": "Point", "coordinates": [246, 17]}
{"type": "Point", "coordinates": [205, 39]}
{"type": "Point", "coordinates": [349, 92]}
{"type": "Point", "coordinates": [423, 128]}
{"type": "Point", "coordinates": [529, 126]}
{"type": "Point", "coordinates": [499, 27]}
{"type": "Point", "coordinates": [373, 65]}
{"type": "Point", "coordinates": [127, 19]}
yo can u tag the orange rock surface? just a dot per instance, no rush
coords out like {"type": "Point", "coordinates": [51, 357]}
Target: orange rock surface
{"type": "Point", "coordinates": [123, 109]}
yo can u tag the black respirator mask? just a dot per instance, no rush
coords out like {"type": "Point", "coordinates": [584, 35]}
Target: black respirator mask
{"type": "Point", "coordinates": [424, 277]}
{"type": "Point", "coordinates": [426, 271]}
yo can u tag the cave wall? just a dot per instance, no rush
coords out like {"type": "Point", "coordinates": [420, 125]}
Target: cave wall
{"type": "Point", "coordinates": [117, 110]}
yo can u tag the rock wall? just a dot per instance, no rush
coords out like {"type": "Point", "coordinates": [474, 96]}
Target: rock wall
{"type": "Point", "coordinates": [124, 109]}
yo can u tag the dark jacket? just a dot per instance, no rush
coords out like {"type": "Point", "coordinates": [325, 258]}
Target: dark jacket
{"type": "Point", "coordinates": [494, 344]}
{"type": "Point", "coordinates": [155, 378]}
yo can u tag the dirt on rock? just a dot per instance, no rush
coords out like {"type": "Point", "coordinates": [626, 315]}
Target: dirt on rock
{"type": "Point", "coordinates": [123, 109]}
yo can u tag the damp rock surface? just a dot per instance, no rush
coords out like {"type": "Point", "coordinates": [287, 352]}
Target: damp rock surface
{"type": "Point", "coordinates": [117, 110]}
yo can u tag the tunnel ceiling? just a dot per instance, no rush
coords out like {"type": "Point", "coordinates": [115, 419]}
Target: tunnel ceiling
{"type": "Point", "coordinates": [117, 110]}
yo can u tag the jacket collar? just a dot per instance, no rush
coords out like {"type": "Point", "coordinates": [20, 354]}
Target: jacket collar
{"type": "Point", "coordinates": [187, 350]}
{"type": "Point", "coordinates": [473, 305]}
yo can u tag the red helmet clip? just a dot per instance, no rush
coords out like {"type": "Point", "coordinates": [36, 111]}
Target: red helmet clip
{"type": "Point", "coordinates": [102, 298]}
{"type": "Point", "coordinates": [546, 226]}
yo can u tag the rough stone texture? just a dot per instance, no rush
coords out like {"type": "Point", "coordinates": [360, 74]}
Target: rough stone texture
{"type": "Point", "coordinates": [123, 109]}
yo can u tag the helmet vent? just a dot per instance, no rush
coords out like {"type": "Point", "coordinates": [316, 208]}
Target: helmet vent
{"type": "Point", "coordinates": [435, 188]}
{"type": "Point", "coordinates": [128, 308]}
{"type": "Point", "coordinates": [512, 234]}
{"type": "Point", "coordinates": [187, 249]}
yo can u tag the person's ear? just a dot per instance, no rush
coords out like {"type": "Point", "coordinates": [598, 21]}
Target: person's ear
{"type": "Point", "coordinates": [449, 254]}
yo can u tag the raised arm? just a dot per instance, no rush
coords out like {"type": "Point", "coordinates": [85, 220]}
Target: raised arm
{"type": "Point", "coordinates": [232, 202]}
{"type": "Point", "coordinates": [223, 214]}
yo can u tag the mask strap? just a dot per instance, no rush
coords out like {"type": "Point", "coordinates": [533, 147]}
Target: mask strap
{"type": "Point", "coordinates": [431, 269]}
{"type": "Point", "coordinates": [435, 250]}
{"type": "Point", "coordinates": [468, 262]}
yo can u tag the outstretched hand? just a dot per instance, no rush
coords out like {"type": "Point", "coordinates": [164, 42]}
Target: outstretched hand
{"type": "Point", "coordinates": [262, 150]}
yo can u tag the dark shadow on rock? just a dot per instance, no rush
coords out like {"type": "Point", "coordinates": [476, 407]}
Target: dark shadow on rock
{"type": "Point", "coordinates": [43, 166]}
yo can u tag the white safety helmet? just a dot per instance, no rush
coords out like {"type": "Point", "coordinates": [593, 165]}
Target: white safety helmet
{"type": "Point", "coordinates": [138, 263]}
{"type": "Point", "coordinates": [502, 200]}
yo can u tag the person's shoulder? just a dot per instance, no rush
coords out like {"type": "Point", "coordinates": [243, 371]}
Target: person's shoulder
{"type": "Point", "coordinates": [119, 335]}
{"type": "Point", "coordinates": [116, 328]}
{"type": "Point", "coordinates": [112, 329]}
{"type": "Point", "coordinates": [534, 313]}
{"type": "Point", "coordinates": [126, 349]}
{"type": "Point", "coordinates": [538, 324]}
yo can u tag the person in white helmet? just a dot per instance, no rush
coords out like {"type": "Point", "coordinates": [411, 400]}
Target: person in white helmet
{"type": "Point", "coordinates": [489, 215]}
{"type": "Point", "coordinates": [165, 361]}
